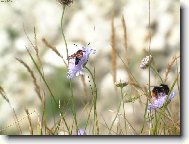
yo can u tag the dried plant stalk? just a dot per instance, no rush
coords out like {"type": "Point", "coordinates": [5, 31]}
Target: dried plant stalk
{"type": "Point", "coordinates": [30, 122]}
{"type": "Point", "coordinates": [53, 49]}
{"type": "Point", "coordinates": [37, 88]}
{"type": "Point", "coordinates": [124, 33]}
{"type": "Point", "coordinates": [113, 44]}
{"type": "Point", "coordinates": [2, 92]}
{"type": "Point", "coordinates": [36, 47]}
{"type": "Point", "coordinates": [169, 67]}
{"type": "Point", "coordinates": [17, 122]}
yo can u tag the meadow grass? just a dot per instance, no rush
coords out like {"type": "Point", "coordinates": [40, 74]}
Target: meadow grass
{"type": "Point", "coordinates": [66, 120]}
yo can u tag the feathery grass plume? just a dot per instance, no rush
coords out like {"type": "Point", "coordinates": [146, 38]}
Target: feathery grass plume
{"type": "Point", "coordinates": [65, 2]}
{"type": "Point", "coordinates": [36, 47]}
{"type": "Point", "coordinates": [124, 32]}
{"type": "Point", "coordinates": [169, 67]}
{"type": "Point", "coordinates": [125, 39]}
{"type": "Point", "coordinates": [30, 122]}
{"type": "Point", "coordinates": [37, 88]}
{"type": "Point", "coordinates": [113, 44]}
{"type": "Point", "coordinates": [53, 49]}
{"type": "Point", "coordinates": [2, 92]}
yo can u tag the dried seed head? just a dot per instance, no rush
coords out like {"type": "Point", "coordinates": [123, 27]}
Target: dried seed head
{"type": "Point", "coordinates": [65, 2]}
{"type": "Point", "coordinates": [145, 62]}
{"type": "Point", "coordinates": [121, 84]}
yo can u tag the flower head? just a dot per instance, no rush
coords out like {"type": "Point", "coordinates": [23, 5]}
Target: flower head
{"type": "Point", "coordinates": [81, 132]}
{"type": "Point", "coordinates": [77, 61]}
{"type": "Point", "coordinates": [145, 62]}
{"type": "Point", "coordinates": [121, 84]}
{"type": "Point", "coordinates": [65, 2]}
{"type": "Point", "coordinates": [160, 100]}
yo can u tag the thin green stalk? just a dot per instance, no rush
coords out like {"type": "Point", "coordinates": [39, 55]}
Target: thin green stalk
{"type": "Point", "coordinates": [89, 114]}
{"type": "Point", "coordinates": [62, 116]}
{"type": "Point", "coordinates": [155, 70]}
{"type": "Point", "coordinates": [115, 117]}
{"type": "Point", "coordinates": [14, 112]}
{"type": "Point", "coordinates": [42, 76]}
{"type": "Point", "coordinates": [73, 107]}
{"type": "Point", "coordinates": [64, 8]}
{"type": "Point", "coordinates": [123, 109]}
{"type": "Point", "coordinates": [149, 51]}
{"type": "Point", "coordinates": [145, 111]}
{"type": "Point", "coordinates": [178, 75]}
{"type": "Point", "coordinates": [94, 99]}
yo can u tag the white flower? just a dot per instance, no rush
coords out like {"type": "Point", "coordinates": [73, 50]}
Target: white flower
{"type": "Point", "coordinates": [145, 62]}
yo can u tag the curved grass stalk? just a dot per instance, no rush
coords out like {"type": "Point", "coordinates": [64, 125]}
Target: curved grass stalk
{"type": "Point", "coordinates": [156, 72]}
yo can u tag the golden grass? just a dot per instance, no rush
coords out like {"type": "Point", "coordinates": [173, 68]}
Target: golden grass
{"type": "Point", "coordinates": [169, 67]}
{"type": "Point", "coordinates": [53, 49]}
{"type": "Point", "coordinates": [113, 44]}
{"type": "Point", "coordinates": [37, 88]}
{"type": "Point", "coordinates": [30, 122]}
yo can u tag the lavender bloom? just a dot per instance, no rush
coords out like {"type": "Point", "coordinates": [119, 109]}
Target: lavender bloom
{"type": "Point", "coordinates": [77, 69]}
{"type": "Point", "coordinates": [158, 102]}
{"type": "Point", "coordinates": [81, 132]}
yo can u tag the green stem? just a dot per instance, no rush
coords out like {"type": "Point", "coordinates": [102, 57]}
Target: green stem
{"type": "Point", "coordinates": [155, 70]}
{"type": "Point", "coordinates": [115, 117]}
{"type": "Point", "coordinates": [42, 76]}
{"type": "Point", "coordinates": [73, 107]}
{"type": "Point", "coordinates": [94, 99]}
{"type": "Point", "coordinates": [123, 109]}
{"type": "Point", "coordinates": [64, 8]}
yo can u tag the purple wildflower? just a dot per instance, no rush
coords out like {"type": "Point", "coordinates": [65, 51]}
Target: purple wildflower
{"type": "Point", "coordinates": [159, 101]}
{"type": "Point", "coordinates": [81, 132]}
{"type": "Point", "coordinates": [76, 65]}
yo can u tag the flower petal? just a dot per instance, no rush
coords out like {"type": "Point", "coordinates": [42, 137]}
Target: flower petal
{"type": "Point", "coordinates": [76, 70]}
{"type": "Point", "coordinates": [159, 102]}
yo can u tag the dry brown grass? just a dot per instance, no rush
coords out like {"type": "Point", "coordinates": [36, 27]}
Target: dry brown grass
{"type": "Point", "coordinates": [53, 49]}
{"type": "Point", "coordinates": [30, 122]}
{"type": "Point", "coordinates": [169, 67]}
{"type": "Point", "coordinates": [37, 87]}
{"type": "Point", "coordinates": [3, 94]}
{"type": "Point", "coordinates": [113, 44]}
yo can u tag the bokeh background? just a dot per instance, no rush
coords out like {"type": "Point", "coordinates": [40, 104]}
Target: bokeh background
{"type": "Point", "coordinates": [84, 22]}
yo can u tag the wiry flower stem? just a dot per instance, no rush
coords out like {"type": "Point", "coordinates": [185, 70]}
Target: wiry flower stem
{"type": "Point", "coordinates": [94, 100]}
{"type": "Point", "coordinates": [64, 8]}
